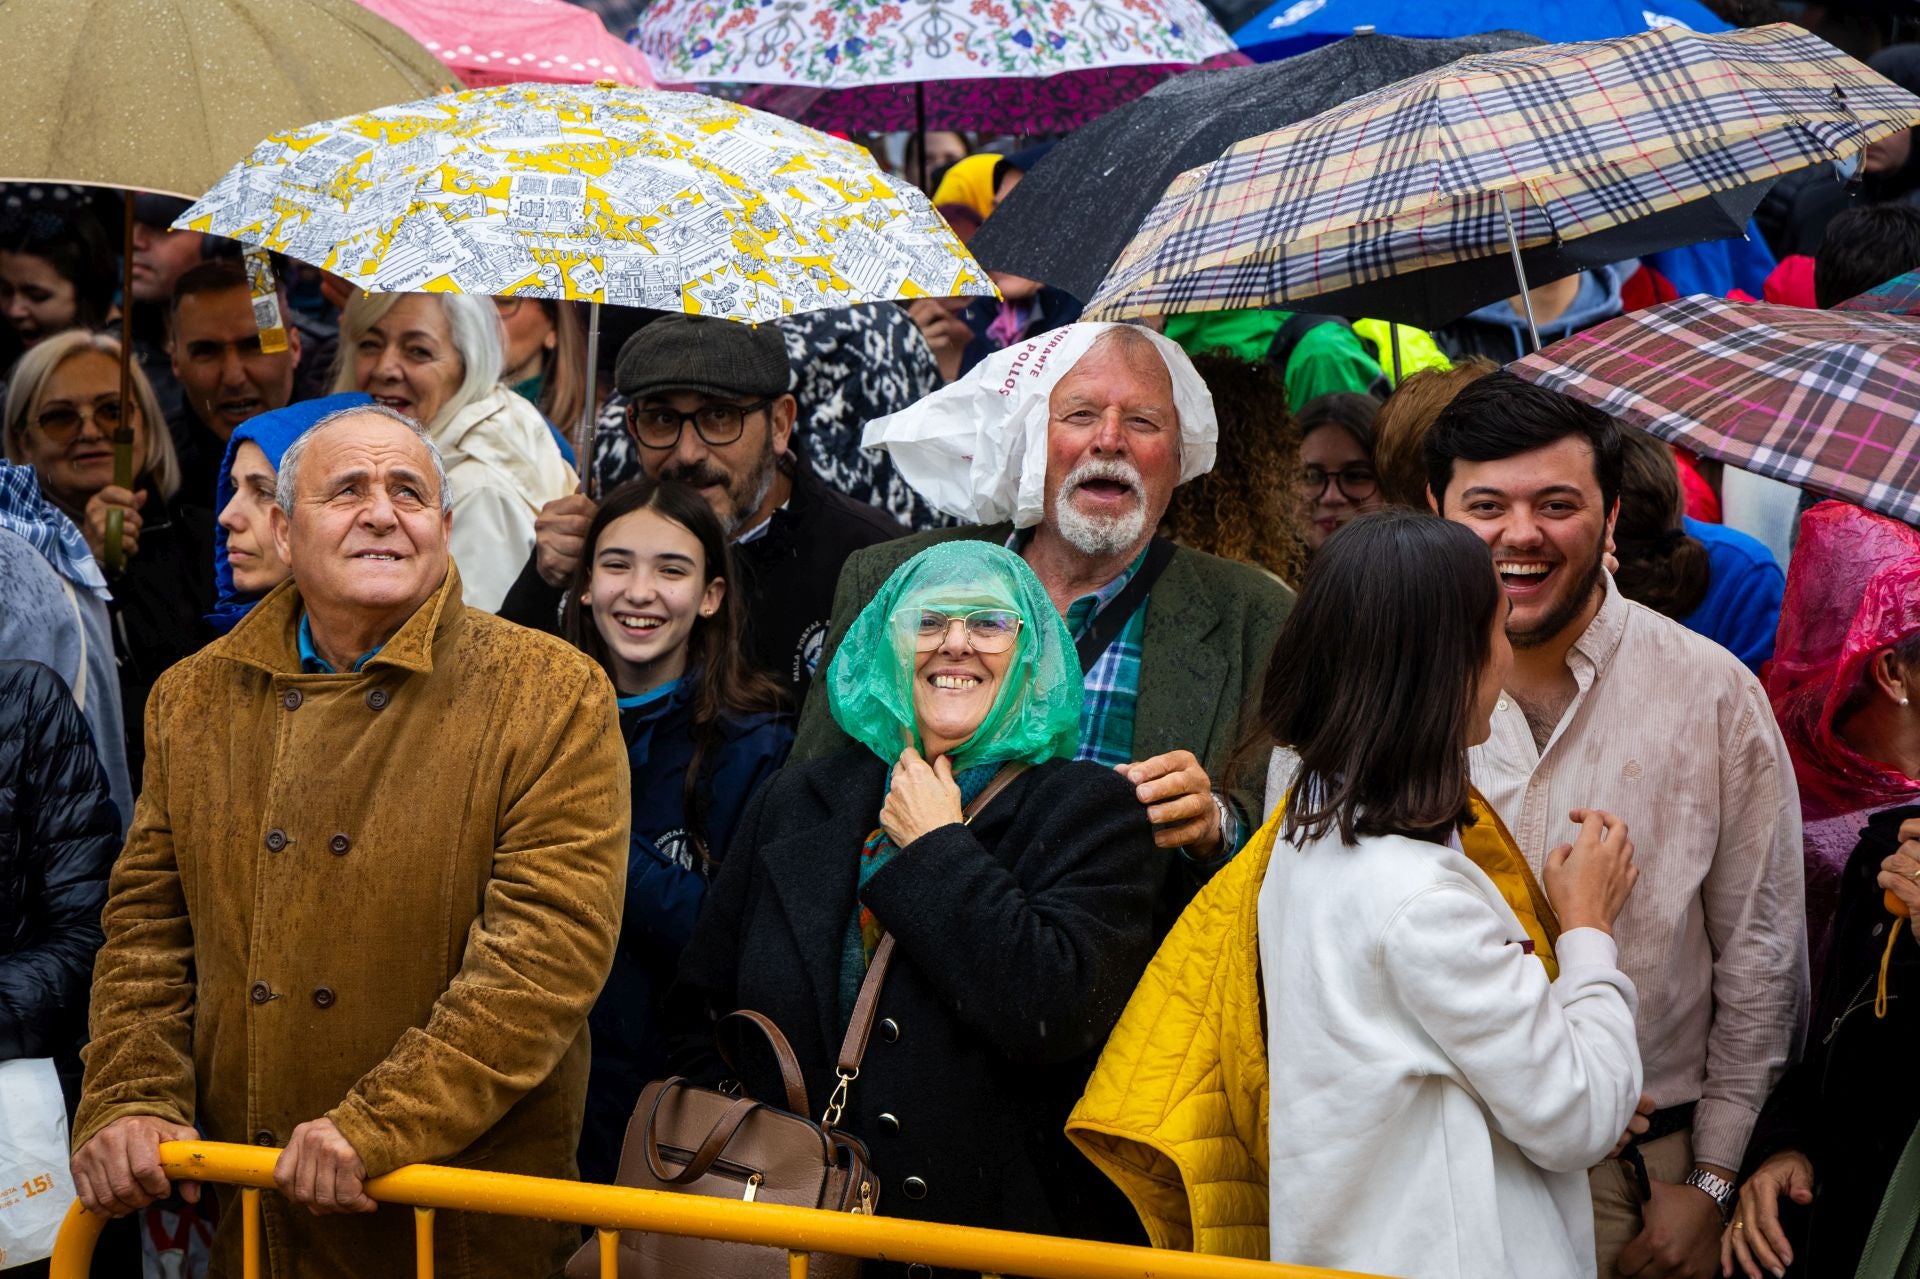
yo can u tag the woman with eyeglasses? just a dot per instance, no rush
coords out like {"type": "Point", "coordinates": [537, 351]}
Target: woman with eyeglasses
{"type": "Point", "coordinates": [1337, 479]}
{"type": "Point", "coordinates": [62, 409]}
{"type": "Point", "coordinates": [1017, 936]}
{"type": "Point", "coordinates": [656, 601]}
{"type": "Point", "coordinates": [437, 358]}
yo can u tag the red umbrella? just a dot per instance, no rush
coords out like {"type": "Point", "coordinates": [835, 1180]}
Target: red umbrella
{"type": "Point", "coordinates": [488, 42]}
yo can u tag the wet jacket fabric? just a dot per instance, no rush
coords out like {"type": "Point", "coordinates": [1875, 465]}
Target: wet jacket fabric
{"type": "Point", "coordinates": [48, 619]}
{"type": "Point", "coordinates": [387, 897]}
{"type": "Point", "coordinates": [504, 465]}
{"type": "Point", "coordinates": [59, 832]}
{"type": "Point", "coordinates": [666, 882]}
{"type": "Point", "coordinates": [1019, 939]}
{"type": "Point", "coordinates": [160, 601]}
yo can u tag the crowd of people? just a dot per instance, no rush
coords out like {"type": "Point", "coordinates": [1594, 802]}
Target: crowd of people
{"type": "Point", "coordinates": [1370, 813]}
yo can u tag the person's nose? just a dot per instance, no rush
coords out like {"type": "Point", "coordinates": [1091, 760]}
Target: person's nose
{"type": "Point", "coordinates": [954, 643]}
{"type": "Point", "coordinates": [91, 427]}
{"type": "Point", "coordinates": [378, 515]}
{"type": "Point", "coordinates": [16, 309]}
{"type": "Point", "coordinates": [233, 370]}
{"type": "Point", "coordinates": [386, 368]}
{"type": "Point", "coordinates": [1521, 532]}
{"type": "Point", "coordinates": [639, 589]}
{"type": "Point", "coordinates": [690, 451]}
{"type": "Point", "coordinates": [1109, 436]}
{"type": "Point", "coordinates": [230, 517]}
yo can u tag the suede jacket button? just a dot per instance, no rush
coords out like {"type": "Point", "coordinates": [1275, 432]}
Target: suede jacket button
{"type": "Point", "coordinates": [339, 845]}
{"type": "Point", "coordinates": [323, 997]}
{"type": "Point", "coordinates": [291, 699]}
{"type": "Point", "coordinates": [377, 699]}
{"type": "Point", "coordinates": [276, 840]}
{"type": "Point", "coordinates": [259, 992]}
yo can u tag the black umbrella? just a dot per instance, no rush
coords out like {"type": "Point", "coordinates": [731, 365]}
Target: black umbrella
{"type": "Point", "coordinates": [1068, 220]}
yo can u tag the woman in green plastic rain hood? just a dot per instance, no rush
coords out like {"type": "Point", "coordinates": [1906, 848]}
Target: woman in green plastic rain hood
{"type": "Point", "coordinates": [1018, 935]}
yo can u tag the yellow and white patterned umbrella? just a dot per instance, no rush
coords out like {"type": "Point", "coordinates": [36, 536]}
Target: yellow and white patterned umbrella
{"type": "Point", "coordinates": [597, 193]}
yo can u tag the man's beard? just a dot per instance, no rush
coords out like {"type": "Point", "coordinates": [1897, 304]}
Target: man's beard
{"type": "Point", "coordinates": [743, 498]}
{"type": "Point", "coordinates": [1571, 605]}
{"type": "Point", "coordinates": [1100, 535]}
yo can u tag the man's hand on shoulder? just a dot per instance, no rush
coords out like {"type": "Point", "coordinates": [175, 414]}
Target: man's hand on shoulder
{"type": "Point", "coordinates": [1179, 799]}
{"type": "Point", "coordinates": [320, 1168]}
{"type": "Point", "coordinates": [118, 1170]}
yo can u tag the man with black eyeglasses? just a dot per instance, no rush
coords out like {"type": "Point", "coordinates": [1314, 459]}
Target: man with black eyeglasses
{"type": "Point", "coordinates": [710, 405]}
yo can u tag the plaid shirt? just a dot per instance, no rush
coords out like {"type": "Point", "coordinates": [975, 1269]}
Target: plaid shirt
{"type": "Point", "coordinates": [1113, 689]}
{"type": "Point", "coordinates": [1113, 685]}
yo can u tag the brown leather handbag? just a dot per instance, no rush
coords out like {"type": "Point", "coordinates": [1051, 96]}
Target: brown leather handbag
{"type": "Point", "coordinates": [700, 1141]}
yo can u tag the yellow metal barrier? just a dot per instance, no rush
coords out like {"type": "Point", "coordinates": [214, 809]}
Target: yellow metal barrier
{"type": "Point", "coordinates": [612, 1209]}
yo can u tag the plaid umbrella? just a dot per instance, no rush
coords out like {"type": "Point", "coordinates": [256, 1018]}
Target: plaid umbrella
{"type": "Point", "coordinates": [1898, 296]}
{"type": "Point", "coordinates": [1527, 147]}
{"type": "Point", "coordinates": [1825, 400]}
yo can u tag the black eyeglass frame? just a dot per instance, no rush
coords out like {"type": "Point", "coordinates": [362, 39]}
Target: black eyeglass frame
{"type": "Point", "coordinates": [744, 411]}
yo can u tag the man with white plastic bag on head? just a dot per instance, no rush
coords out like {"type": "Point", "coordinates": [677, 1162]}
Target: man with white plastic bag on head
{"type": "Point", "coordinates": [1067, 449]}
{"type": "Point", "coordinates": [58, 838]}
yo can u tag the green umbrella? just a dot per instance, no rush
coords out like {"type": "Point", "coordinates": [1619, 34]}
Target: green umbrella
{"type": "Point", "coordinates": [167, 95]}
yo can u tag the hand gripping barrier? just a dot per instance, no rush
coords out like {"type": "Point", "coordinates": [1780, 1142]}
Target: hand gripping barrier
{"type": "Point", "coordinates": [611, 1209]}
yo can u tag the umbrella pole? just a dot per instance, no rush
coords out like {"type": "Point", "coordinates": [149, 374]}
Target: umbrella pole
{"type": "Point", "coordinates": [1393, 340]}
{"type": "Point", "coordinates": [920, 127]}
{"type": "Point", "coordinates": [123, 434]}
{"type": "Point", "coordinates": [589, 412]}
{"type": "Point", "coordinates": [1520, 272]}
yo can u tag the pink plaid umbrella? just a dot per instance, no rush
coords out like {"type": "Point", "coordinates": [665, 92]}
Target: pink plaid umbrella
{"type": "Point", "coordinates": [487, 42]}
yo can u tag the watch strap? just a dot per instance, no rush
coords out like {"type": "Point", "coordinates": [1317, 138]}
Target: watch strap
{"type": "Point", "coordinates": [1722, 1191]}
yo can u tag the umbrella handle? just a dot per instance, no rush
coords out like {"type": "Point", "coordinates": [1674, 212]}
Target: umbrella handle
{"type": "Point", "coordinates": [123, 434]}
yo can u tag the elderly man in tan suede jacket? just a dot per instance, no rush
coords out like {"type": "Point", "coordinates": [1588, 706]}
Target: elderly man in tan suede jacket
{"type": "Point", "coordinates": [371, 890]}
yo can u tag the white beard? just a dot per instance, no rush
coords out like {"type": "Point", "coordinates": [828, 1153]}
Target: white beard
{"type": "Point", "coordinates": [1100, 535]}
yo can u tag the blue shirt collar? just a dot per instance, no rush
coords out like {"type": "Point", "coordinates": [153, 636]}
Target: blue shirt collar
{"type": "Point", "coordinates": [310, 660]}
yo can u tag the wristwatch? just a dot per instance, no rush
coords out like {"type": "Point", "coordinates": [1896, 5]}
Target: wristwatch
{"type": "Point", "coordinates": [1717, 1187]}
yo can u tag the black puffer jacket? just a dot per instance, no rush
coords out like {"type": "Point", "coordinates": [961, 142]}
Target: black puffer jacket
{"type": "Point", "coordinates": [58, 839]}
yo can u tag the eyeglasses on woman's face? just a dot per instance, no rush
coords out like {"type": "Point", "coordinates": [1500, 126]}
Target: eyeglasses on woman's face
{"type": "Point", "coordinates": [61, 422]}
{"type": "Point", "coordinates": [658, 426]}
{"type": "Point", "coordinates": [1357, 481]}
{"type": "Point", "coordinates": [988, 630]}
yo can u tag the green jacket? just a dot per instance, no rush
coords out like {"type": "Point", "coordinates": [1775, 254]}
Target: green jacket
{"type": "Point", "coordinates": [1211, 625]}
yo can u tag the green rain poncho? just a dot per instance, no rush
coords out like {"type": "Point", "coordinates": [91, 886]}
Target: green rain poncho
{"type": "Point", "coordinates": [1035, 716]}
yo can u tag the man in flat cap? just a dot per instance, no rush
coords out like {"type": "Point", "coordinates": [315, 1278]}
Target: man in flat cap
{"type": "Point", "coordinates": [709, 404]}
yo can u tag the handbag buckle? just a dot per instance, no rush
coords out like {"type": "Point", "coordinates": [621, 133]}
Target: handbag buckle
{"type": "Point", "coordinates": [837, 1104]}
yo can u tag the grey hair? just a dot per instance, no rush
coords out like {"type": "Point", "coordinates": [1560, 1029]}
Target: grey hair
{"type": "Point", "coordinates": [473, 324]}
{"type": "Point", "coordinates": [287, 482]}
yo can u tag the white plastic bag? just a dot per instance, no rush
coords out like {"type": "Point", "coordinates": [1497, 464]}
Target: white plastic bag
{"type": "Point", "coordinates": [977, 449]}
{"type": "Point", "coordinates": [36, 1186]}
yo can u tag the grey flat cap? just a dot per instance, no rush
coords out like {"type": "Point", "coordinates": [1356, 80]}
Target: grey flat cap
{"type": "Point", "coordinates": [699, 353]}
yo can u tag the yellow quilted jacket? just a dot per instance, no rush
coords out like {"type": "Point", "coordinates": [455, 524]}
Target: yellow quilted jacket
{"type": "Point", "coordinates": [1176, 1111]}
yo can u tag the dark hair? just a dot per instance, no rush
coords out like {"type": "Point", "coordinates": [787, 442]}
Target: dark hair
{"type": "Point", "coordinates": [1660, 565]}
{"type": "Point", "coordinates": [727, 685]}
{"type": "Point", "coordinates": [71, 241]}
{"type": "Point", "coordinates": [1242, 508]}
{"type": "Point", "coordinates": [1502, 416]}
{"type": "Point", "coordinates": [1400, 428]}
{"type": "Point", "coordinates": [215, 275]}
{"type": "Point", "coordinates": [1864, 247]}
{"type": "Point", "coordinates": [1351, 411]}
{"type": "Point", "coordinates": [1373, 677]}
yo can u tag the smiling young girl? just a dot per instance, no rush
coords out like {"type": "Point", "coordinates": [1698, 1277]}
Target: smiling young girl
{"type": "Point", "coordinates": [654, 602]}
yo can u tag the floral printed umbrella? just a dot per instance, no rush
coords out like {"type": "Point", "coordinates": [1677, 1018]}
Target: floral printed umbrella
{"type": "Point", "coordinates": [1022, 66]}
{"type": "Point", "coordinates": [638, 197]}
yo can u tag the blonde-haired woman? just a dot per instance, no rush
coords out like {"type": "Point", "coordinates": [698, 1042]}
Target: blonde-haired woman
{"type": "Point", "coordinates": [437, 358]}
{"type": "Point", "coordinates": [63, 406]}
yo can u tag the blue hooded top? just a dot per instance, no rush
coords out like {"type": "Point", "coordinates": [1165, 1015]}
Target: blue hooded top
{"type": "Point", "coordinates": [274, 431]}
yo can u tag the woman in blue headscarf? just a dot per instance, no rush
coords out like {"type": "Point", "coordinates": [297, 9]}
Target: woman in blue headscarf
{"type": "Point", "coordinates": [1018, 936]}
{"type": "Point", "coordinates": [245, 564]}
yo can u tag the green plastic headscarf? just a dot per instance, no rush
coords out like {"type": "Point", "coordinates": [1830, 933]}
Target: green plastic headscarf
{"type": "Point", "coordinates": [1035, 716]}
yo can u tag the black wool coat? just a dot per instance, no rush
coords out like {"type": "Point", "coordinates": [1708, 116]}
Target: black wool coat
{"type": "Point", "coordinates": [1848, 1104]}
{"type": "Point", "coordinates": [59, 833]}
{"type": "Point", "coordinates": [1018, 940]}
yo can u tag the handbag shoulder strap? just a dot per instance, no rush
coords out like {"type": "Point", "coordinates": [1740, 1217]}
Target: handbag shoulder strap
{"type": "Point", "coordinates": [853, 1048]}
{"type": "Point", "coordinates": [1109, 621]}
